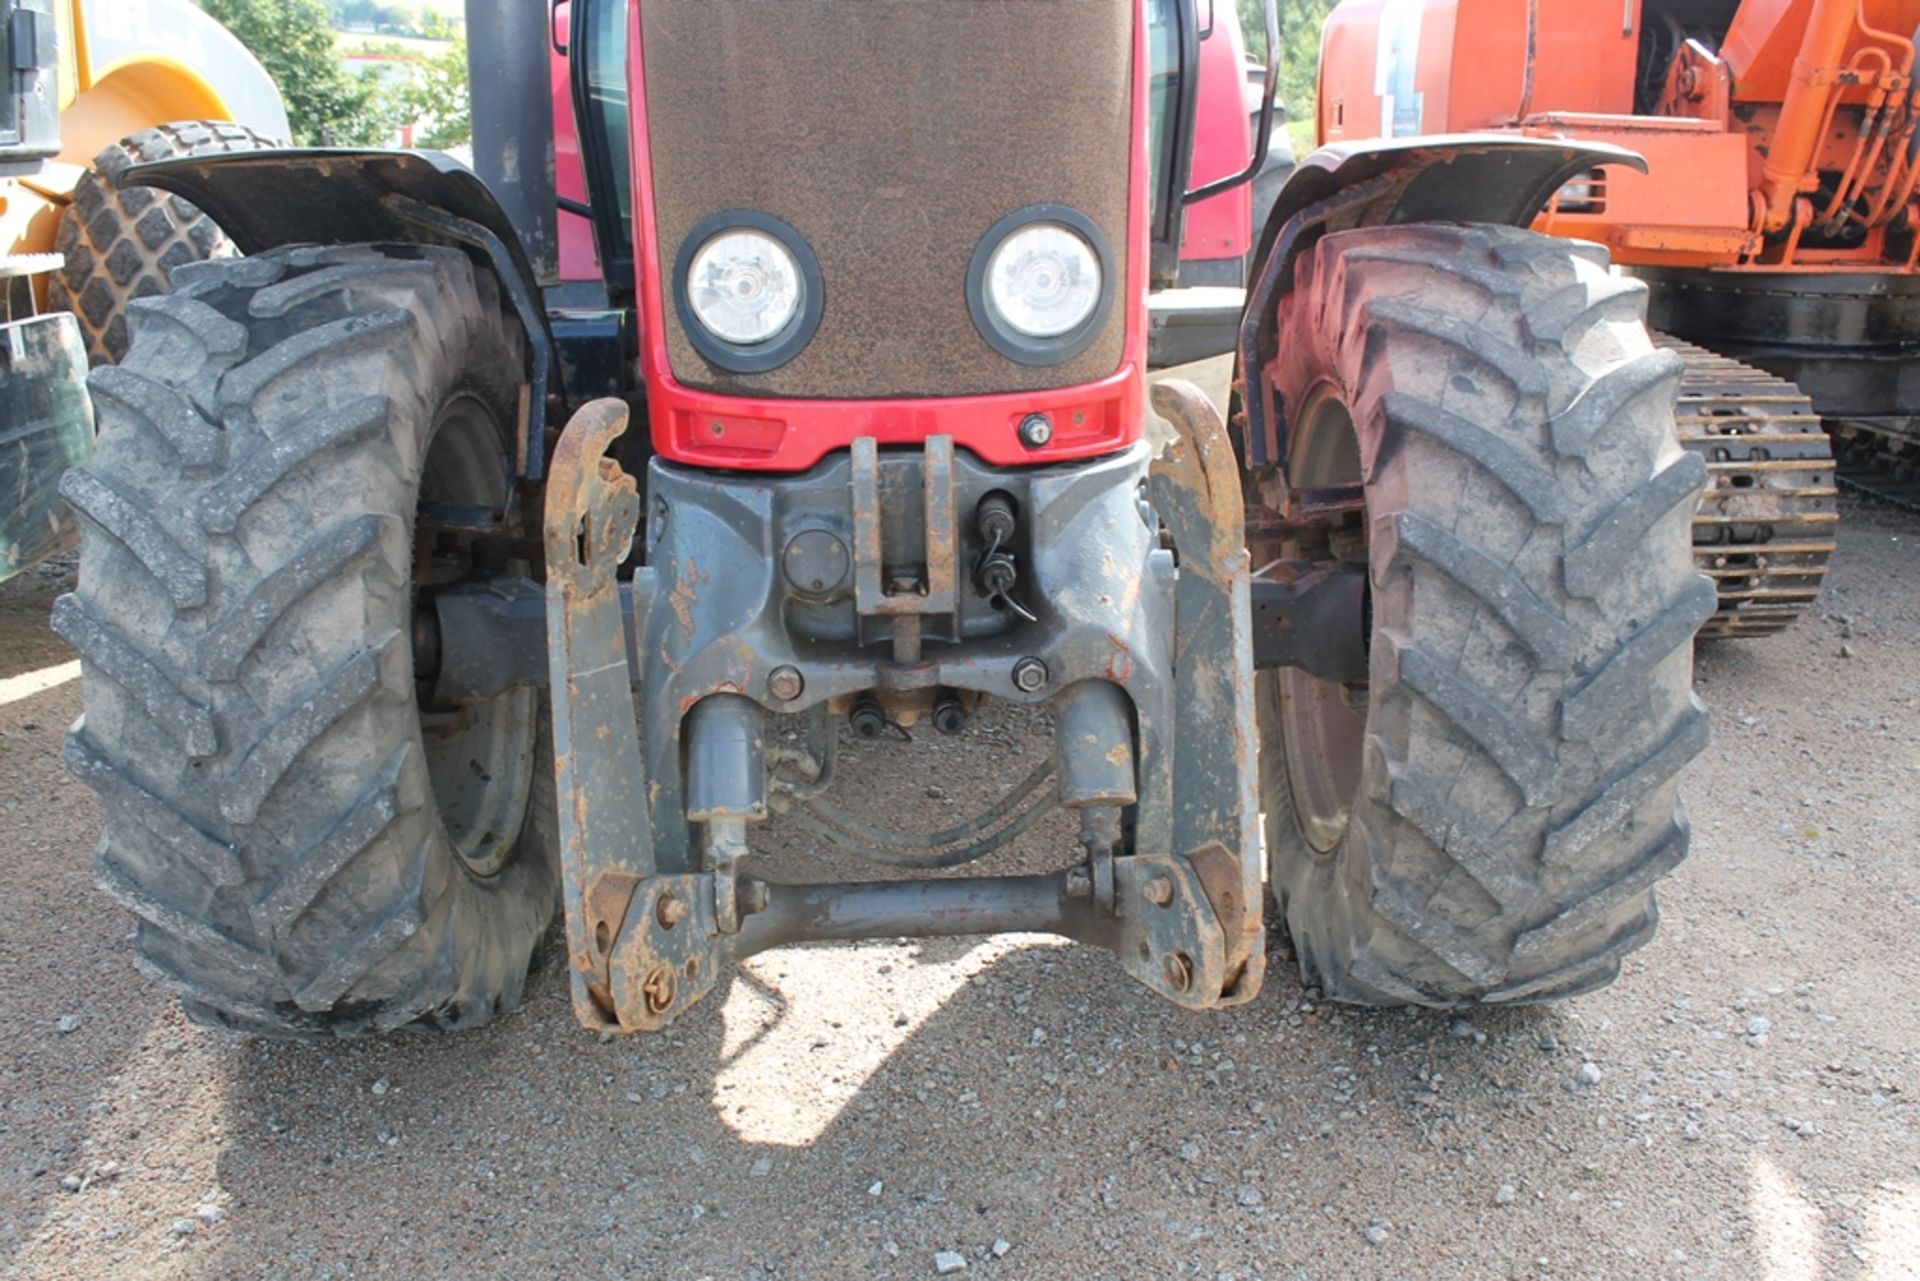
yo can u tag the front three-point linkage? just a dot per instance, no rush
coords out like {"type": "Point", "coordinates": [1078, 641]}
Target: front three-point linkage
{"type": "Point", "coordinates": [657, 902]}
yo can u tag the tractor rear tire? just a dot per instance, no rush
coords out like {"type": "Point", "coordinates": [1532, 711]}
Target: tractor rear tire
{"type": "Point", "coordinates": [1484, 818]}
{"type": "Point", "coordinates": [307, 851]}
{"type": "Point", "coordinates": [122, 244]}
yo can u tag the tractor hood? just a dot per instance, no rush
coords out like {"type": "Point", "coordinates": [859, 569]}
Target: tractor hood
{"type": "Point", "coordinates": [893, 143]}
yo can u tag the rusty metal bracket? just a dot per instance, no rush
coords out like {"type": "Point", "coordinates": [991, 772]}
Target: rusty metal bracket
{"type": "Point", "coordinates": [872, 594]}
{"type": "Point", "coordinates": [1195, 483]}
{"type": "Point", "coordinates": [1171, 937]}
{"type": "Point", "coordinates": [667, 957]}
{"type": "Point", "coordinates": [592, 510]}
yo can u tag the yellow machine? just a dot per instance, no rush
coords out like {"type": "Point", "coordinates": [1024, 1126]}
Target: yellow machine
{"type": "Point", "coordinates": [91, 86]}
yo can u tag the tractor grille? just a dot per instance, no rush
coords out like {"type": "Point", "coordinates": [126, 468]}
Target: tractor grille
{"type": "Point", "coordinates": [891, 135]}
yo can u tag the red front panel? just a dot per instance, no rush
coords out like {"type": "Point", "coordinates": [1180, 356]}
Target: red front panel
{"type": "Point", "coordinates": [769, 433]}
{"type": "Point", "coordinates": [578, 258]}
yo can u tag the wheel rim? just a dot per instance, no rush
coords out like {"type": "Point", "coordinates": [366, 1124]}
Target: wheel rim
{"type": "Point", "coordinates": [480, 757]}
{"type": "Point", "coordinates": [1323, 722]}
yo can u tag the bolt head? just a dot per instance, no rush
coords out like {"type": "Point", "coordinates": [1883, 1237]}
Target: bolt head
{"type": "Point", "coordinates": [1036, 430]}
{"type": "Point", "coordinates": [786, 683]}
{"type": "Point", "coordinates": [670, 910]}
{"type": "Point", "coordinates": [1030, 675]}
{"type": "Point", "coordinates": [1159, 891]}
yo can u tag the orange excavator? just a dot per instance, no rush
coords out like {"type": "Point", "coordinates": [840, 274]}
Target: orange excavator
{"type": "Point", "coordinates": [1777, 225]}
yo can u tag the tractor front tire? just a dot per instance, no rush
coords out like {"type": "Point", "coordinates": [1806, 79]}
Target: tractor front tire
{"type": "Point", "coordinates": [1483, 819]}
{"type": "Point", "coordinates": [122, 244]}
{"type": "Point", "coordinates": [308, 852]}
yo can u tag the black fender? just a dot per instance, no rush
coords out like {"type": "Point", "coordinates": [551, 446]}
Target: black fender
{"type": "Point", "coordinates": [1501, 178]}
{"type": "Point", "coordinates": [339, 195]}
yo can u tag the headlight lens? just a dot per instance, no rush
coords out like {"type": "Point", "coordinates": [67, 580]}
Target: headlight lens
{"type": "Point", "coordinates": [1043, 280]}
{"type": "Point", "coordinates": [744, 286]}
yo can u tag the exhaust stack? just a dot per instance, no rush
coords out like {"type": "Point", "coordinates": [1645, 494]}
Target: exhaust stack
{"type": "Point", "coordinates": [513, 120]}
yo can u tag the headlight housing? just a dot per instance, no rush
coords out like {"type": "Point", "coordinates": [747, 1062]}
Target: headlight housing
{"type": "Point", "coordinates": [748, 291]}
{"type": "Point", "coordinates": [1039, 285]}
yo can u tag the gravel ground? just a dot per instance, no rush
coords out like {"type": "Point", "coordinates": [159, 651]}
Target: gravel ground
{"type": "Point", "coordinates": [1741, 1104]}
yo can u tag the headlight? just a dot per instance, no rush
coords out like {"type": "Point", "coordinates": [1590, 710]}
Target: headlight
{"type": "Point", "coordinates": [748, 291]}
{"type": "Point", "coordinates": [1039, 285]}
{"type": "Point", "coordinates": [744, 286]}
{"type": "Point", "coordinates": [1044, 280]}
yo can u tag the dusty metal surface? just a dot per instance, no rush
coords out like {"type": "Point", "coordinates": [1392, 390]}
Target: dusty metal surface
{"type": "Point", "coordinates": [729, 616]}
{"type": "Point", "coordinates": [1311, 616]}
{"type": "Point", "coordinates": [591, 512]}
{"type": "Point", "coordinates": [925, 583]}
{"type": "Point", "coordinates": [1765, 528]}
{"type": "Point", "coordinates": [1216, 811]}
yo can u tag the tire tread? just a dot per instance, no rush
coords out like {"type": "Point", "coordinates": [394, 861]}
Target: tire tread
{"type": "Point", "coordinates": [269, 817]}
{"type": "Point", "coordinates": [1518, 800]}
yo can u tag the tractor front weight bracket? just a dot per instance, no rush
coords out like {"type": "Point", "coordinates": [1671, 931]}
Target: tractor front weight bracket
{"type": "Point", "coordinates": [858, 583]}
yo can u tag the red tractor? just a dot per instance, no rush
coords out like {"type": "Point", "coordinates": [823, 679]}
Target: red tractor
{"type": "Point", "coordinates": [383, 663]}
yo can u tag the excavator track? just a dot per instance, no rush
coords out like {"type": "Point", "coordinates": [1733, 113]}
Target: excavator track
{"type": "Point", "coordinates": [1880, 459]}
{"type": "Point", "coordinates": [1765, 527]}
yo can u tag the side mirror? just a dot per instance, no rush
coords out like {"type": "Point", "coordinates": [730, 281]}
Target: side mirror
{"type": "Point", "coordinates": [1264, 131]}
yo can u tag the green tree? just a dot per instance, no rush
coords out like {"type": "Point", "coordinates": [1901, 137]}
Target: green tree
{"type": "Point", "coordinates": [437, 95]}
{"type": "Point", "coordinates": [1300, 22]}
{"type": "Point", "coordinates": [438, 26]}
{"type": "Point", "coordinates": [326, 105]}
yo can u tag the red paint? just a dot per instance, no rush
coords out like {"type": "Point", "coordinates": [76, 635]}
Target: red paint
{"type": "Point", "coordinates": [1221, 226]}
{"type": "Point", "coordinates": [771, 434]}
{"type": "Point", "coordinates": [579, 260]}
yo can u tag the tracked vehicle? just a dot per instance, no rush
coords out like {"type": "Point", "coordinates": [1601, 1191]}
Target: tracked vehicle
{"type": "Point", "coordinates": [425, 591]}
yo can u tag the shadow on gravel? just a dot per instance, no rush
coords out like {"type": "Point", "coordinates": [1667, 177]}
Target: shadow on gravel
{"type": "Point", "coordinates": [1739, 1105]}
{"type": "Point", "coordinates": [26, 603]}
{"type": "Point", "coordinates": [847, 1110]}
{"type": "Point", "coordinates": [75, 1017]}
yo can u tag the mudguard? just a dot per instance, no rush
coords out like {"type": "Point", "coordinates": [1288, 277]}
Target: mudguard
{"type": "Point", "coordinates": [341, 195]}
{"type": "Point", "coordinates": [1492, 178]}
